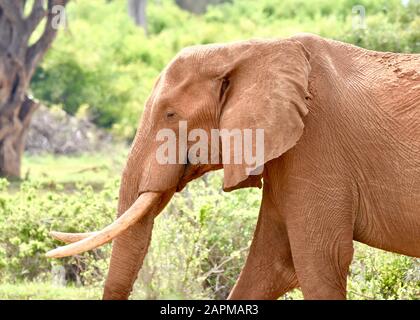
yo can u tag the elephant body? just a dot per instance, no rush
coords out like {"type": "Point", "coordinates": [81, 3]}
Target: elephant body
{"type": "Point", "coordinates": [364, 184]}
{"type": "Point", "coordinates": [373, 119]}
{"type": "Point", "coordinates": [342, 157]}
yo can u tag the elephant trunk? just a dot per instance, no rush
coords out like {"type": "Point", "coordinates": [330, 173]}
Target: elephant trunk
{"type": "Point", "coordinates": [128, 252]}
{"type": "Point", "coordinates": [130, 248]}
{"type": "Point", "coordinates": [146, 188]}
{"type": "Point", "coordinates": [132, 231]}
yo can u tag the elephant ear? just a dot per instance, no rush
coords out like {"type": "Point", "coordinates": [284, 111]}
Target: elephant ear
{"type": "Point", "coordinates": [268, 87]}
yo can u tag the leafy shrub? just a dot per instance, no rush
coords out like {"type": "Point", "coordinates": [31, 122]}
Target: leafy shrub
{"type": "Point", "coordinates": [211, 236]}
{"type": "Point", "coordinates": [106, 66]}
{"type": "Point", "coordinates": [26, 218]}
{"type": "Point", "coordinates": [103, 61]}
{"type": "Point", "coordinates": [200, 243]}
{"type": "Point", "coordinates": [198, 248]}
{"type": "Point", "coordinates": [379, 275]}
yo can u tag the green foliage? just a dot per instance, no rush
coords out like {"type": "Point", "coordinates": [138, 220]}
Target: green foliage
{"type": "Point", "coordinates": [198, 248]}
{"type": "Point", "coordinates": [203, 235]}
{"type": "Point", "coordinates": [202, 232]}
{"type": "Point", "coordinates": [384, 276]}
{"type": "Point", "coordinates": [47, 291]}
{"type": "Point", "coordinates": [93, 169]}
{"type": "Point", "coordinates": [27, 216]}
{"type": "Point", "coordinates": [103, 61]}
{"type": "Point", "coordinates": [104, 65]}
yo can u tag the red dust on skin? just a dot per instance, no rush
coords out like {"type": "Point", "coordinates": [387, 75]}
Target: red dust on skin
{"type": "Point", "coordinates": [342, 161]}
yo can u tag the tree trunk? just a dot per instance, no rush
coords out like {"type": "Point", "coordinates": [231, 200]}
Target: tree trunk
{"type": "Point", "coordinates": [18, 60]}
{"type": "Point", "coordinates": [12, 139]}
{"type": "Point", "coordinates": [197, 6]}
{"type": "Point", "coordinates": [137, 11]}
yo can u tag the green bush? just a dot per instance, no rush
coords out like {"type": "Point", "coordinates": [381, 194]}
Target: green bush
{"type": "Point", "coordinates": [211, 235]}
{"type": "Point", "coordinates": [103, 61]}
{"type": "Point", "coordinates": [27, 216]}
{"type": "Point", "coordinates": [198, 248]}
{"type": "Point", "coordinates": [379, 275]}
{"type": "Point", "coordinates": [200, 242]}
{"type": "Point", "coordinates": [104, 65]}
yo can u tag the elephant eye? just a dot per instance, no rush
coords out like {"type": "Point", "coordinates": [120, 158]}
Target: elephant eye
{"type": "Point", "coordinates": [224, 87]}
{"type": "Point", "coordinates": [170, 114]}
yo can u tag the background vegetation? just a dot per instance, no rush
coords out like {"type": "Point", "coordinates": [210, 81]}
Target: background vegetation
{"type": "Point", "coordinates": [103, 67]}
{"type": "Point", "coordinates": [198, 247]}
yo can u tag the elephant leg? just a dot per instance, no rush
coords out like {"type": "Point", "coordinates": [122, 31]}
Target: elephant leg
{"type": "Point", "coordinates": [321, 239]}
{"type": "Point", "coordinates": [268, 272]}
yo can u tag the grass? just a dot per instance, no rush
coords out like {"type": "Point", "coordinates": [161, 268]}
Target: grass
{"type": "Point", "coordinates": [47, 291]}
{"type": "Point", "coordinates": [374, 274]}
{"type": "Point", "coordinates": [92, 169]}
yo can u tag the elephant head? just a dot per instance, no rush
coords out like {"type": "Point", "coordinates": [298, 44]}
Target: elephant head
{"type": "Point", "coordinates": [257, 85]}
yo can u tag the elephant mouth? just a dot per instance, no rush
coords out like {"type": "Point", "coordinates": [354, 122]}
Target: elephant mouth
{"type": "Point", "coordinates": [145, 203]}
{"type": "Point", "coordinates": [192, 172]}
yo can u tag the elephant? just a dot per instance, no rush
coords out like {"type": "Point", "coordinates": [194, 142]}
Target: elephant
{"type": "Point", "coordinates": [341, 159]}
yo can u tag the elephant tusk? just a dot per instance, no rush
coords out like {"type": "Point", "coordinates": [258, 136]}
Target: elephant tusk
{"type": "Point", "coordinates": [144, 203]}
{"type": "Point", "coordinates": [70, 237]}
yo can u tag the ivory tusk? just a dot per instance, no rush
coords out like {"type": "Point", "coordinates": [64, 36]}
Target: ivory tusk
{"type": "Point", "coordinates": [140, 208]}
{"type": "Point", "coordinates": [70, 237]}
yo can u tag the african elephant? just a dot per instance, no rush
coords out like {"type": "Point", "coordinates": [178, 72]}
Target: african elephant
{"type": "Point", "coordinates": [341, 159]}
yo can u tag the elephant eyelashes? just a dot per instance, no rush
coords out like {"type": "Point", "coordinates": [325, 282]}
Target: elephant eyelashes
{"type": "Point", "coordinates": [223, 88]}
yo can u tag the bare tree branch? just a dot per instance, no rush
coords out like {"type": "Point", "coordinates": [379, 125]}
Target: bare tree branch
{"type": "Point", "coordinates": [35, 17]}
{"type": "Point", "coordinates": [11, 10]}
{"type": "Point", "coordinates": [36, 52]}
{"type": "Point", "coordinates": [21, 7]}
{"type": "Point", "coordinates": [12, 13]}
{"type": "Point", "coordinates": [18, 91]}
